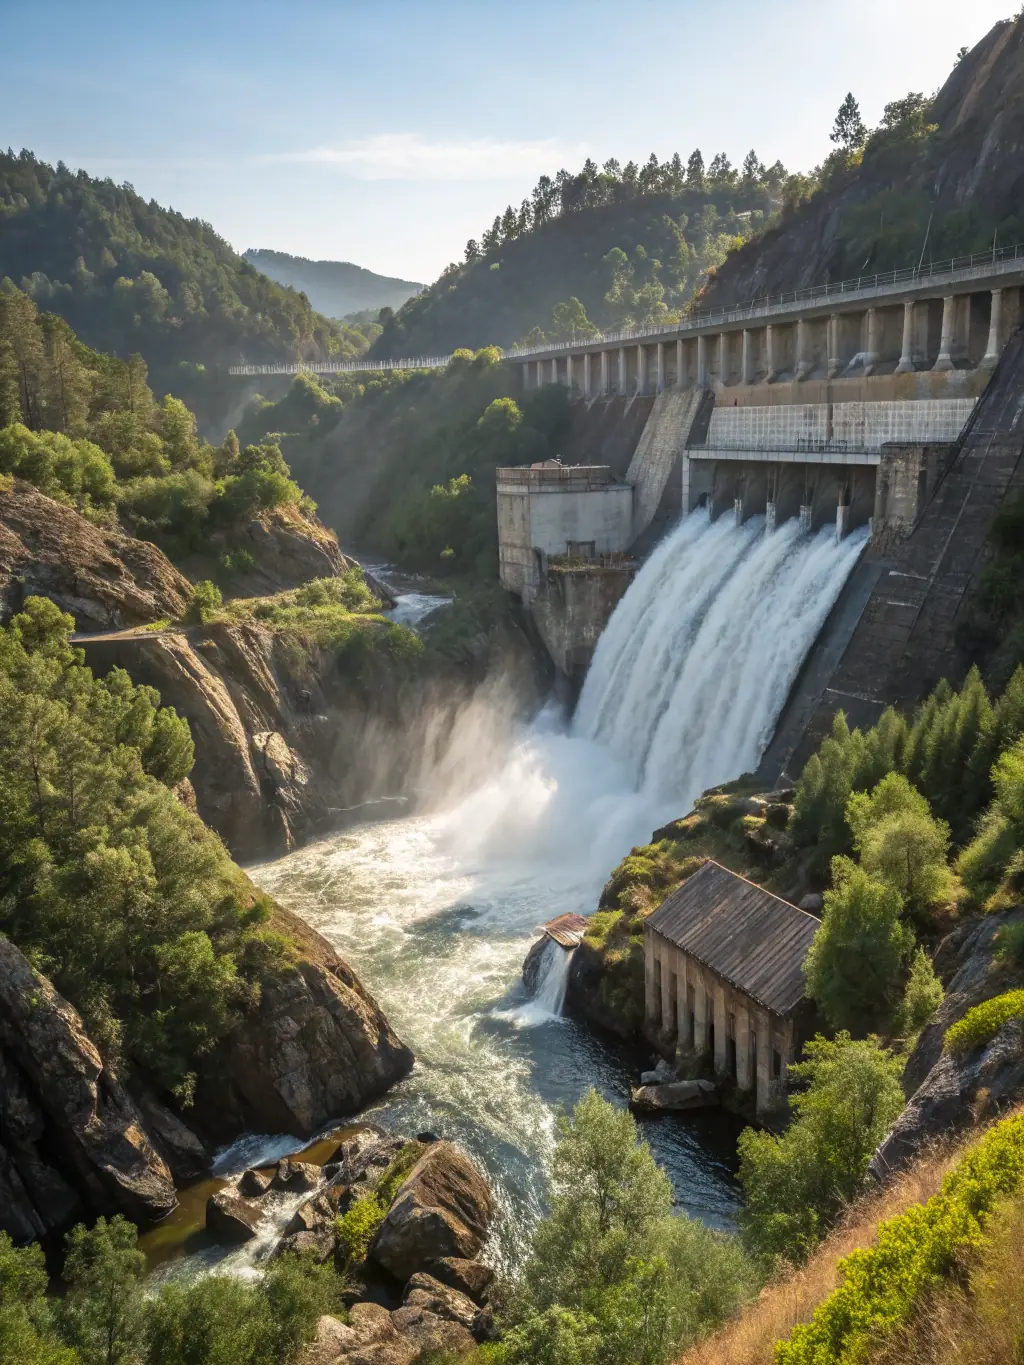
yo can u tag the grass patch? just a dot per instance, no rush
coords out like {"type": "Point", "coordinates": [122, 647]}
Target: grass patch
{"type": "Point", "coordinates": [983, 1022]}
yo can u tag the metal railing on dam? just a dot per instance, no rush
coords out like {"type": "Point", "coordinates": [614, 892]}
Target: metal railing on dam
{"type": "Point", "coordinates": [1006, 261]}
{"type": "Point", "coordinates": [433, 362]}
{"type": "Point", "coordinates": [997, 265]}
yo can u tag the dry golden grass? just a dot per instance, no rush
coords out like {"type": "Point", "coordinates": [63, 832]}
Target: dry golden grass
{"type": "Point", "coordinates": [980, 1324]}
{"type": "Point", "coordinates": [793, 1297]}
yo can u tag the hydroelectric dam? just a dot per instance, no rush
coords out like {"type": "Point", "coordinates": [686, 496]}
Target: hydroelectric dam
{"type": "Point", "coordinates": [881, 416]}
{"type": "Point", "coordinates": [700, 646]}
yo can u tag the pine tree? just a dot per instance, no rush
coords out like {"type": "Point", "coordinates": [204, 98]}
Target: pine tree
{"type": "Point", "coordinates": [695, 171]}
{"type": "Point", "coordinates": [849, 131]}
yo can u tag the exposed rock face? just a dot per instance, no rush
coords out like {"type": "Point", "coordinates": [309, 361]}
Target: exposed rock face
{"type": "Point", "coordinates": [57, 1096]}
{"type": "Point", "coordinates": [288, 548]}
{"type": "Point", "coordinates": [947, 1093]}
{"type": "Point", "coordinates": [317, 1047]}
{"type": "Point", "coordinates": [230, 1218]}
{"type": "Point", "coordinates": [310, 1231]}
{"type": "Point", "coordinates": [531, 964]}
{"type": "Point", "coordinates": [105, 579]}
{"type": "Point", "coordinates": [956, 1093]}
{"type": "Point", "coordinates": [186, 1155]}
{"type": "Point", "coordinates": [443, 1209]}
{"type": "Point", "coordinates": [975, 163]}
{"type": "Point", "coordinates": [423, 1291]}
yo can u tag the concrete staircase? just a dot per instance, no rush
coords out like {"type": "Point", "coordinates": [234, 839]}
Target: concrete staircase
{"type": "Point", "coordinates": [658, 453]}
{"type": "Point", "coordinates": [904, 639]}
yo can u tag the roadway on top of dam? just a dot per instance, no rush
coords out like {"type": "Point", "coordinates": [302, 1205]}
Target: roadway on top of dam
{"type": "Point", "coordinates": [991, 269]}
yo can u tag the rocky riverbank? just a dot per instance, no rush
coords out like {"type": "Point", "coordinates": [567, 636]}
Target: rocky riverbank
{"type": "Point", "coordinates": [80, 1138]}
{"type": "Point", "coordinates": [405, 1220]}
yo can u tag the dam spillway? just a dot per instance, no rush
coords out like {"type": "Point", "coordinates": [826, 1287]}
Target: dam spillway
{"type": "Point", "coordinates": [696, 663]}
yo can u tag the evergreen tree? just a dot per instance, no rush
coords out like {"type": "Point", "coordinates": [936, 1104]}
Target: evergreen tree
{"type": "Point", "coordinates": [695, 170]}
{"type": "Point", "coordinates": [849, 131]}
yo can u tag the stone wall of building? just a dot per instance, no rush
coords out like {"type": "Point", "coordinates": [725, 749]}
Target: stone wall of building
{"type": "Point", "coordinates": [694, 1015]}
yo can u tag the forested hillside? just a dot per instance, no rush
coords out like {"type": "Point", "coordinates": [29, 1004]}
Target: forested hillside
{"type": "Point", "coordinates": [336, 288]}
{"type": "Point", "coordinates": [403, 463]}
{"type": "Point", "coordinates": [609, 246]}
{"type": "Point", "coordinates": [130, 276]}
{"type": "Point", "coordinates": [942, 175]}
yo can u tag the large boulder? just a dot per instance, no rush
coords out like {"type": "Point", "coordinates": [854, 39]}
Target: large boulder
{"type": "Point", "coordinates": [296, 1177]}
{"type": "Point", "coordinates": [310, 1230]}
{"type": "Point", "coordinates": [425, 1292]}
{"type": "Point", "coordinates": [82, 1112]}
{"type": "Point", "coordinates": [230, 1218]}
{"type": "Point", "coordinates": [443, 1208]}
{"type": "Point", "coordinates": [674, 1096]}
{"type": "Point", "coordinates": [471, 1278]}
{"type": "Point", "coordinates": [318, 1046]}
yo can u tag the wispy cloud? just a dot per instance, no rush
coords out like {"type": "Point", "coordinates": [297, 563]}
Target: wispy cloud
{"type": "Point", "coordinates": [411, 156]}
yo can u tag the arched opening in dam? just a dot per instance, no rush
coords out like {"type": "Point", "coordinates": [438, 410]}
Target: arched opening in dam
{"type": "Point", "coordinates": [438, 910]}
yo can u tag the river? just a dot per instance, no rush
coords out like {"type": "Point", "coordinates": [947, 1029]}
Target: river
{"type": "Point", "coordinates": [436, 911]}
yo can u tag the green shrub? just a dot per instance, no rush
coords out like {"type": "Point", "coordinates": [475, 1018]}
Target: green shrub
{"type": "Point", "coordinates": [913, 1254]}
{"type": "Point", "coordinates": [855, 965]}
{"type": "Point", "coordinates": [204, 602]}
{"type": "Point", "coordinates": [1010, 944]}
{"type": "Point", "coordinates": [922, 997]}
{"type": "Point", "coordinates": [984, 1021]}
{"type": "Point", "coordinates": [355, 1229]}
{"type": "Point", "coordinates": [796, 1185]}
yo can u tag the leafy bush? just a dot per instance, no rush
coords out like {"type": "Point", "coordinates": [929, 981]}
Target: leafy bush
{"type": "Point", "coordinates": [204, 602]}
{"type": "Point", "coordinates": [980, 1024]}
{"type": "Point", "coordinates": [881, 1286]}
{"type": "Point", "coordinates": [74, 472]}
{"type": "Point", "coordinates": [355, 1229]}
{"type": "Point", "coordinates": [797, 1185]}
{"type": "Point", "coordinates": [854, 968]}
{"type": "Point", "coordinates": [108, 1318]}
{"type": "Point", "coordinates": [922, 997]}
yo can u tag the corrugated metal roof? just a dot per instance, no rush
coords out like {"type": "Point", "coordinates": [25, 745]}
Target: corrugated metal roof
{"type": "Point", "coordinates": [755, 940]}
{"type": "Point", "coordinates": [567, 929]}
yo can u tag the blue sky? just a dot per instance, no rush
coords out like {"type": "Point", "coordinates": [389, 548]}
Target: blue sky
{"type": "Point", "coordinates": [388, 133]}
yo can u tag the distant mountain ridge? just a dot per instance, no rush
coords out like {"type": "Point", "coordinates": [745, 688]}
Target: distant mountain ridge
{"type": "Point", "coordinates": [335, 288]}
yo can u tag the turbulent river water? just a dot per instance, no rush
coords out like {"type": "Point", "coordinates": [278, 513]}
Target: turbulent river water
{"type": "Point", "coordinates": [436, 911]}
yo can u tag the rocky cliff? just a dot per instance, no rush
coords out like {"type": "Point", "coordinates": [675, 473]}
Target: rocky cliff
{"type": "Point", "coordinates": [966, 180]}
{"type": "Point", "coordinates": [105, 579]}
{"type": "Point", "coordinates": [72, 1141]}
{"type": "Point", "coordinates": [948, 1093]}
{"type": "Point", "coordinates": [77, 1141]}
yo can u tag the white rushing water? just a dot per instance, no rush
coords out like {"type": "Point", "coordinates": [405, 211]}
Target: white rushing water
{"type": "Point", "coordinates": [437, 911]}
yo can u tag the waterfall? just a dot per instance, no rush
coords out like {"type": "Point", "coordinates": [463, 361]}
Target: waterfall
{"type": "Point", "coordinates": [696, 663]}
{"type": "Point", "coordinates": [549, 989]}
{"type": "Point", "coordinates": [552, 979]}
